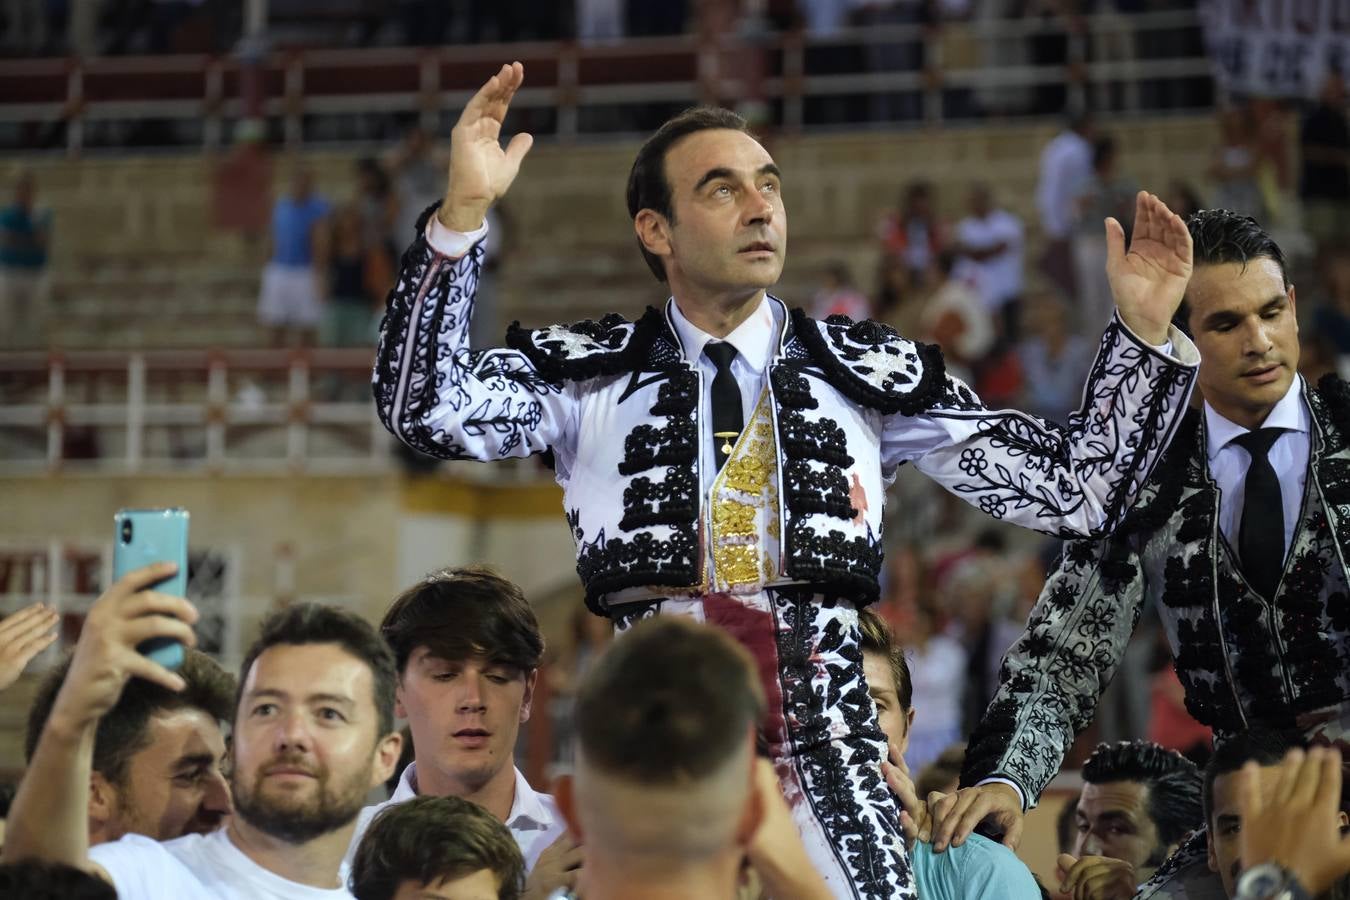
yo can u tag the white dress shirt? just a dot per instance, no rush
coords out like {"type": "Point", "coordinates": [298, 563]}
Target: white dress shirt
{"type": "Point", "coordinates": [1228, 463]}
{"type": "Point", "coordinates": [534, 820]}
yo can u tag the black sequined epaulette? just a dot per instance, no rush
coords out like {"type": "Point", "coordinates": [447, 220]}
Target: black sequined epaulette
{"type": "Point", "coordinates": [592, 349]}
{"type": "Point", "coordinates": [871, 364]}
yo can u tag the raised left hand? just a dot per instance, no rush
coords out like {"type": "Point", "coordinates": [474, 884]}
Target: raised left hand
{"type": "Point", "coordinates": [1149, 281]}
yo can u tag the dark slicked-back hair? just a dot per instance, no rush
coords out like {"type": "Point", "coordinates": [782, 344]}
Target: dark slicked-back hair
{"type": "Point", "coordinates": [431, 839]}
{"type": "Point", "coordinates": [878, 638]}
{"type": "Point", "coordinates": [124, 730]}
{"type": "Point", "coordinates": [669, 702]}
{"type": "Point", "coordinates": [1223, 236]}
{"type": "Point", "coordinates": [1263, 746]}
{"type": "Point", "coordinates": [648, 187]}
{"type": "Point", "coordinates": [462, 613]}
{"type": "Point", "coordinates": [313, 623]}
{"type": "Point", "coordinates": [1173, 783]}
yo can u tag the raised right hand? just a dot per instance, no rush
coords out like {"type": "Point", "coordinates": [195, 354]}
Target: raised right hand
{"type": "Point", "coordinates": [1297, 818]}
{"type": "Point", "coordinates": [480, 171]}
{"type": "Point", "coordinates": [106, 656]}
{"type": "Point", "coordinates": [956, 815]}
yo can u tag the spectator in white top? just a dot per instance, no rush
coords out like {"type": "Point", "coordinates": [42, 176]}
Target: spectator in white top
{"type": "Point", "coordinates": [989, 249]}
{"type": "Point", "coordinates": [1066, 165]}
{"type": "Point", "coordinates": [467, 649]}
{"type": "Point", "coordinates": [313, 733]}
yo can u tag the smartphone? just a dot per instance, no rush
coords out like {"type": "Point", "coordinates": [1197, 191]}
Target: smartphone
{"type": "Point", "coordinates": [142, 537]}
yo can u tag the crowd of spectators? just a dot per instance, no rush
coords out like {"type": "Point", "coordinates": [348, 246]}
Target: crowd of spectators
{"type": "Point", "coordinates": [131, 791]}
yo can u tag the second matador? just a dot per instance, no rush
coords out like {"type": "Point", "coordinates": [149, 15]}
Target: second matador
{"type": "Point", "coordinates": [726, 457]}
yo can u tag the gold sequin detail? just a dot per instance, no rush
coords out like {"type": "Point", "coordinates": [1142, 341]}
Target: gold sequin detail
{"type": "Point", "coordinates": [741, 495]}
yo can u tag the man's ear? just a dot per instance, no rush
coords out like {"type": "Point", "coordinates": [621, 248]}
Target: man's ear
{"type": "Point", "coordinates": [400, 711]}
{"type": "Point", "coordinates": [1209, 848]}
{"type": "Point", "coordinates": [564, 794]}
{"type": "Point", "coordinates": [103, 803]}
{"type": "Point", "coordinates": [756, 805]}
{"type": "Point", "coordinates": [531, 682]}
{"type": "Point", "coordinates": [653, 231]}
{"type": "Point", "coordinates": [386, 758]}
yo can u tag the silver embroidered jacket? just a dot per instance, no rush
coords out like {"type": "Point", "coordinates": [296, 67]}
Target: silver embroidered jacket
{"type": "Point", "coordinates": [620, 404]}
{"type": "Point", "coordinates": [1243, 660]}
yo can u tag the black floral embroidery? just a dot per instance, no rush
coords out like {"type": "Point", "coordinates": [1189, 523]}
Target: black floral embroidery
{"type": "Point", "coordinates": [842, 774]}
{"type": "Point", "coordinates": [612, 564]}
{"type": "Point", "coordinates": [590, 349]}
{"type": "Point", "coordinates": [834, 562]}
{"type": "Point", "coordinates": [791, 387]}
{"type": "Point", "coordinates": [821, 440]}
{"type": "Point", "coordinates": [810, 490]}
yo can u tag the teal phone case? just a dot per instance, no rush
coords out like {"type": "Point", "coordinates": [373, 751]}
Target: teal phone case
{"type": "Point", "coordinates": [142, 537]}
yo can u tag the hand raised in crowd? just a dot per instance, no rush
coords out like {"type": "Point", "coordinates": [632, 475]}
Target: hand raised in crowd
{"type": "Point", "coordinates": [559, 866]}
{"type": "Point", "coordinates": [954, 816]}
{"type": "Point", "coordinates": [106, 657]}
{"type": "Point", "coordinates": [23, 635]}
{"type": "Point", "coordinates": [914, 818]}
{"type": "Point", "coordinates": [1096, 878]}
{"type": "Point", "coordinates": [480, 170]}
{"type": "Point", "coordinates": [776, 852]}
{"type": "Point", "coordinates": [1297, 816]}
{"type": "Point", "coordinates": [1148, 282]}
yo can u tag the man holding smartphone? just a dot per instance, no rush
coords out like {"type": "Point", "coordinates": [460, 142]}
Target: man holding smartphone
{"type": "Point", "coordinates": [313, 734]}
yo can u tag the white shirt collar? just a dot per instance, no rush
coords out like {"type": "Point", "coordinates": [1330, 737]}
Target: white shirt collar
{"type": "Point", "coordinates": [528, 810]}
{"type": "Point", "coordinates": [1289, 414]}
{"type": "Point", "coordinates": [753, 339]}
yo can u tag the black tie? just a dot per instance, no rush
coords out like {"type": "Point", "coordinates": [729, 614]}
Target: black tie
{"type": "Point", "coordinates": [727, 418]}
{"type": "Point", "coordinates": [1261, 533]}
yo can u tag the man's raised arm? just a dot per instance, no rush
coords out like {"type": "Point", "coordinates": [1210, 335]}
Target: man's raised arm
{"type": "Point", "coordinates": [49, 818]}
{"type": "Point", "coordinates": [1049, 685]}
{"type": "Point", "coordinates": [432, 393]}
{"type": "Point", "coordinates": [1079, 480]}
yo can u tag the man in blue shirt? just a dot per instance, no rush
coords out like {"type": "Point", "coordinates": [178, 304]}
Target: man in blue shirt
{"type": "Point", "coordinates": [24, 235]}
{"type": "Point", "coordinates": [979, 869]}
{"type": "Point", "coordinates": [291, 299]}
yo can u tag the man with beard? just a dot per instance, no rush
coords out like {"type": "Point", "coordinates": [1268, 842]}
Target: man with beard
{"type": "Point", "coordinates": [158, 754]}
{"type": "Point", "coordinates": [313, 733]}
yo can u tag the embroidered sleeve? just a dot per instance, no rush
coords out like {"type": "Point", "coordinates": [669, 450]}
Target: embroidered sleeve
{"type": "Point", "coordinates": [1071, 481]}
{"type": "Point", "coordinates": [1053, 675]}
{"type": "Point", "coordinates": [439, 397]}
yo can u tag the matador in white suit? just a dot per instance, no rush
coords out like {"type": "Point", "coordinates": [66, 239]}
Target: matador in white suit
{"type": "Point", "coordinates": [726, 457]}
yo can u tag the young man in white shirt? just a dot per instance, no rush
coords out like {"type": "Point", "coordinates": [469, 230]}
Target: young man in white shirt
{"type": "Point", "coordinates": [313, 733]}
{"type": "Point", "coordinates": [467, 649]}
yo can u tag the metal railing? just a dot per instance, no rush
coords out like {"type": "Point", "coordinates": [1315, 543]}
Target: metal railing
{"type": "Point", "coordinates": [571, 88]}
{"type": "Point", "coordinates": [213, 412]}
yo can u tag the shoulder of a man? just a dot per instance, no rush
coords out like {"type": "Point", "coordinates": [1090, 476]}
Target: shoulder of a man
{"type": "Point", "coordinates": [873, 364]}
{"type": "Point", "coordinates": [592, 349]}
{"type": "Point", "coordinates": [141, 866]}
{"type": "Point", "coordinates": [980, 869]}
